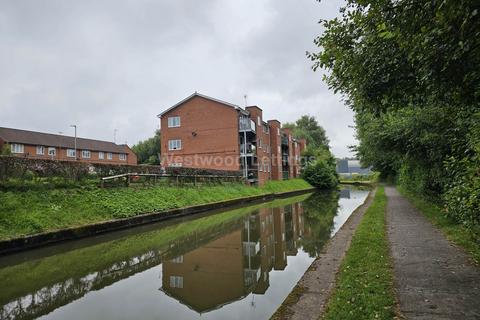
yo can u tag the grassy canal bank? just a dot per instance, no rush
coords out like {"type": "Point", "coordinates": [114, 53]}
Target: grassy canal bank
{"type": "Point", "coordinates": [29, 212]}
{"type": "Point", "coordinates": [364, 286]}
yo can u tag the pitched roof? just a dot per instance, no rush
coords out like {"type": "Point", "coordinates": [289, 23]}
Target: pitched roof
{"type": "Point", "coordinates": [196, 94]}
{"type": "Point", "coordinates": [55, 140]}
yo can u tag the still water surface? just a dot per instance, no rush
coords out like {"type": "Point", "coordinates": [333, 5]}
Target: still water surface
{"type": "Point", "coordinates": [236, 264]}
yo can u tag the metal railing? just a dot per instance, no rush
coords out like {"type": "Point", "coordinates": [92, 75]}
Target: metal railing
{"type": "Point", "coordinates": [246, 124]}
{"type": "Point", "coordinates": [129, 178]}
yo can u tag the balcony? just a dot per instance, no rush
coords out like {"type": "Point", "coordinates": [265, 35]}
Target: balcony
{"type": "Point", "coordinates": [285, 140]}
{"type": "Point", "coordinates": [246, 124]}
{"type": "Point", "coordinates": [250, 152]}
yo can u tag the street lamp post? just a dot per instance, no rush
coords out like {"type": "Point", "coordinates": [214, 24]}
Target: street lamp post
{"type": "Point", "coordinates": [75, 143]}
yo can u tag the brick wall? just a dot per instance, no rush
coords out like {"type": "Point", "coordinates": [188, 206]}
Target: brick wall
{"type": "Point", "coordinates": [276, 152]}
{"type": "Point", "coordinates": [30, 151]}
{"type": "Point", "coordinates": [209, 134]}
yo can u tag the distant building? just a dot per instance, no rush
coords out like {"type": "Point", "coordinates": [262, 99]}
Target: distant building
{"type": "Point", "coordinates": [351, 166]}
{"type": "Point", "coordinates": [204, 132]}
{"type": "Point", "coordinates": [39, 145]}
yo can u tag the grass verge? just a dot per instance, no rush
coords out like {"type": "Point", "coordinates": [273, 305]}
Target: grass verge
{"type": "Point", "coordinates": [364, 288]}
{"type": "Point", "coordinates": [469, 239]}
{"type": "Point", "coordinates": [34, 211]}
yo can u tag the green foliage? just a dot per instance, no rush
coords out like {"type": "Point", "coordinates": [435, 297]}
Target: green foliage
{"type": "Point", "coordinates": [308, 128]}
{"type": "Point", "coordinates": [321, 172]}
{"type": "Point", "coordinates": [148, 151]}
{"type": "Point", "coordinates": [5, 151]}
{"type": "Point", "coordinates": [23, 213]}
{"type": "Point", "coordinates": [410, 71]}
{"type": "Point", "coordinates": [364, 287]}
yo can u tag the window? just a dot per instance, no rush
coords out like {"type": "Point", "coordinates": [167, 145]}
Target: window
{"type": "Point", "coordinates": [70, 153]}
{"type": "Point", "coordinates": [175, 144]}
{"type": "Point", "coordinates": [52, 151]}
{"type": "Point", "coordinates": [86, 154]}
{"type": "Point", "coordinates": [122, 156]}
{"type": "Point", "coordinates": [101, 155]}
{"type": "Point", "coordinates": [278, 131]}
{"type": "Point", "coordinates": [109, 156]}
{"type": "Point", "coordinates": [178, 259]}
{"type": "Point", "coordinates": [279, 149]}
{"type": "Point", "coordinates": [17, 148]}
{"type": "Point", "coordinates": [176, 164]}
{"type": "Point", "coordinates": [259, 121]}
{"type": "Point", "coordinates": [260, 143]}
{"type": "Point", "coordinates": [41, 150]}
{"type": "Point", "coordinates": [173, 122]}
{"type": "Point", "coordinates": [260, 167]}
{"type": "Point", "coordinates": [176, 282]}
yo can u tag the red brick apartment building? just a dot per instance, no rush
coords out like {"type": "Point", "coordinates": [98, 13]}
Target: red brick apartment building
{"type": "Point", "coordinates": [38, 145]}
{"type": "Point", "coordinates": [204, 132]}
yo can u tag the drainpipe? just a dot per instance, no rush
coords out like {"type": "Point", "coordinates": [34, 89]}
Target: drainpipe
{"type": "Point", "coordinates": [245, 154]}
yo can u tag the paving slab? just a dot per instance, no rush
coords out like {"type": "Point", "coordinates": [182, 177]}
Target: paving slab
{"type": "Point", "coordinates": [434, 279]}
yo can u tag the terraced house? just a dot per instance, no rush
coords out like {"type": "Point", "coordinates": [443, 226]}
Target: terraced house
{"type": "Point", "coordinates": [204, 132]}
{"type": "Point", "coordinates": [39, 145]}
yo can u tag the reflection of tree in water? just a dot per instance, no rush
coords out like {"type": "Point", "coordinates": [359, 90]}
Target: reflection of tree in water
{"type": "Point", "coordinates": [319, 210]}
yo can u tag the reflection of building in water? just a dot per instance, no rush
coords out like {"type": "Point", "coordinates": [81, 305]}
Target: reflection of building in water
{"type": "Point", "coordinates": [345, 193]}
{"type": "Point", "coordinates": [231, 267]}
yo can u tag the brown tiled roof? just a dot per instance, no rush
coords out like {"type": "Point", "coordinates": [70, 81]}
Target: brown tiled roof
{"type": "Point", "coordinates": [56, 140]}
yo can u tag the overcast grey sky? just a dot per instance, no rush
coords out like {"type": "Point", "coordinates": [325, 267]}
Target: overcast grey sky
{"type": "Point", "coordinates": [109, 64]}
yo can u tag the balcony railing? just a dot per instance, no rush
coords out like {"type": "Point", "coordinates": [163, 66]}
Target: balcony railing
{"type": "Point", "coordinates": [285, 140]}
{"type": "Point", "coordinates": [250, 149]}
{"type": "Point", "coordinates": [247, 124]}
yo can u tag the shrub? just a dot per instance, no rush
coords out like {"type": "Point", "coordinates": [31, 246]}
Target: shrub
{"type": "Point", "coordinates": [320, 174]}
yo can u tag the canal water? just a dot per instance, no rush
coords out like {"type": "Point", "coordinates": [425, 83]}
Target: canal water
{"type": "Point", "coordinates": [235, 264]}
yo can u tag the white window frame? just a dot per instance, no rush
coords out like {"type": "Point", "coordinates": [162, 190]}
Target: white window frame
{"type": "Point", "coordinates": [176, 282]}
{"type": "Point", "coordinates": [40, 150]}
{"type": "Point", "coordinates": [259, 120]}
{"type": "Point", "coordinates": [17, 148]}
{"type": "Point", "coordinates": [174, 144]}
{"type": "Point", "coordinates": [71, 153]}
{"type": "Point", "coordinates": [278, 131]}
{"type": "Point", "coordinates": [122, 156]}
{"type": "Point", "coordinates": [109, 155]}
{"type": "Point", "coordinates": [86, 154]}
{"type": "Point", "coordinates": [101, 155]}
{"type": "Point", "coordinates": [174, 122]}
{"type": "Point", "coordinates": [50, 153]}
{"type": "Point", "coordinates": [260, 143]}
{"type": "Point", "coordinates": [178, 259]}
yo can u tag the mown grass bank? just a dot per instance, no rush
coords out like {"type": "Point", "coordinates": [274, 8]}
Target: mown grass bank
{"type": "Point", "coordinates": [34, 211]}
{"type": "Point", "coordinates": [364, 288]}
{"type": "Point", "coordinates": [468, 238]}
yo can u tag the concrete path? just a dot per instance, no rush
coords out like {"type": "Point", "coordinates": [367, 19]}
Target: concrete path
{"type": "Point", "coordinates": [434, 278]}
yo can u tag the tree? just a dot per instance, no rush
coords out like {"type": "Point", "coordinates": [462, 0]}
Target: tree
{"type": "Point", "coordinates": [5, 150]}
{"type": "Point", "coordinates": [148, 151]}
{"type": "Point", "coordinates": [308, 128]}
{"type": "Point", "coordinates": [410, 71]}
{"type": "Point", "coordinates": [320, 168]}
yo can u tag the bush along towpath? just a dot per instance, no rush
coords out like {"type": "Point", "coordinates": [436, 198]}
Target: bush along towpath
{"type": "Point", "coordinates": [35, 211]}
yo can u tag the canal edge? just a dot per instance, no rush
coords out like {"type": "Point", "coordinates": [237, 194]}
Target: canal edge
{"type": "Point", "coordinates": [46, 238]}
{"type": "Point", "coordinates": [307, 300]}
